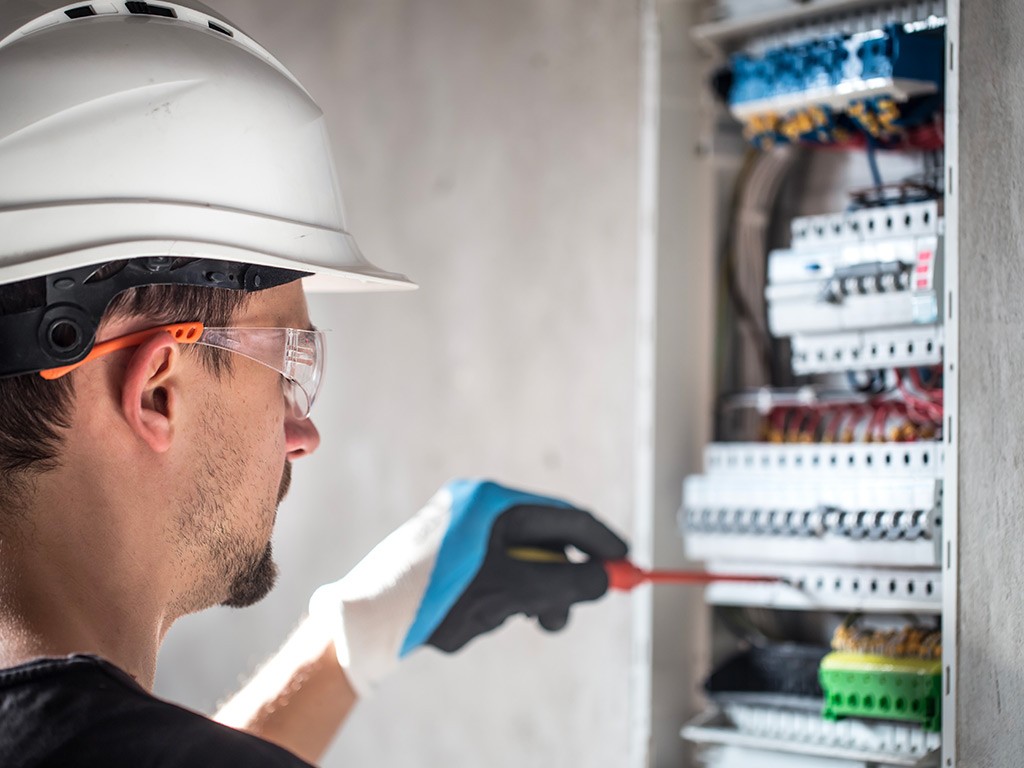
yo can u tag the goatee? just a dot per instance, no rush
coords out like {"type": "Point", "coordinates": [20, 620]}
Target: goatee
{"type": "Point", "coordinates": [258, 577]}
{"type": "Point", "coordinates": [253, 582]}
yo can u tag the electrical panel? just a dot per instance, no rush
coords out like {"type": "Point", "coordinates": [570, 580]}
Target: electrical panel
{"type": "Point", "coordinates": [825, 480]}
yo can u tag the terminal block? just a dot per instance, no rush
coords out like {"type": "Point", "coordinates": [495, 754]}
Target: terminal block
{"type": "Point", "coordinates": [883, 688]}
{"type": "Point", "coordinates": [823, 89]}
{"type": "Point", "coordinates": [861, 289]}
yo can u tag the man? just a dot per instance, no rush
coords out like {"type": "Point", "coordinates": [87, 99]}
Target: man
{"type": "Point", "coordinates": [164, 185]}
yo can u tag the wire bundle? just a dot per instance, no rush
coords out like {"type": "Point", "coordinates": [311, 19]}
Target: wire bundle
{"type": "Point", "coordinates": [906, 411]}
{"type": "Point", "coordinates": [742, 270]}
{"type": "Point", "coordinates": [905, 643]}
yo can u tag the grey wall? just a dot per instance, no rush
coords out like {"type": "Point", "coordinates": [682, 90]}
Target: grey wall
{"type": "Point", "coordinates": [990, 705]}
{"type": "Point", "coordinates": [489, 150]}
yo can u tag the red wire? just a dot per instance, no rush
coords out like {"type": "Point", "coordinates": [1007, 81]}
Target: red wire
{"type": "Point", "coordinates": [857, 414]}
{"type": "Point", "coordinates": [796, 423]}
{"type": "Point", "coordinates": [931, 392]}
{"type": "Point", "coordinates": [837, 421]}
{"type": "Point", "coordinates": [929, 409]}
{"type": "Point", "coordinates": [778, 420]}
{"type": "Point", "coordinates": [917, 416]}
{"type": "Point", "coordinates": [878, 420]}
{"type": "Point", "coordinates": [810, 426]}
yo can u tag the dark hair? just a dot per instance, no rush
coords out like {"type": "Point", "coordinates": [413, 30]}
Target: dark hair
{"type": "Point", "coordinates": [34, 412]}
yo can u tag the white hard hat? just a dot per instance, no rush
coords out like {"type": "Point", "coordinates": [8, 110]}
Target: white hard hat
{"type": "Point", "coordinates": [160, 134]}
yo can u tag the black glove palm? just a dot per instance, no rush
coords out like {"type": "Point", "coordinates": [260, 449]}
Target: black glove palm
{"type": "Point", "coordinates": [506, 585]}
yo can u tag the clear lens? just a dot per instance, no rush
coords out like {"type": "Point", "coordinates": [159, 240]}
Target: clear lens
{"type": "Point", "coordinates": [305, 358]}
{"type": "Point", "coordinates": [299, 404]}
{"type": "Point", "coordinates": [298, 355]}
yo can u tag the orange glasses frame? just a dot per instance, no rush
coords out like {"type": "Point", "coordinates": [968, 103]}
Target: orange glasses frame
{"type": "Point", "coordinates": [183, 333]}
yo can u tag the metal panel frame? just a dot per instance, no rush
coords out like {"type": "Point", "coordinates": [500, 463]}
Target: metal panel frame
{"type": "Point", "coordinates": [951, 384]}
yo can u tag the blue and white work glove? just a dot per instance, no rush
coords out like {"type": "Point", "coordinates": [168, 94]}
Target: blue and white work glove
{"type": "Point", "coordinates": [447, 575]}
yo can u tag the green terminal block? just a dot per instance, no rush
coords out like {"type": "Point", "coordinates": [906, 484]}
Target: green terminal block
{"type": "Point", "coordinates": [862, 685]}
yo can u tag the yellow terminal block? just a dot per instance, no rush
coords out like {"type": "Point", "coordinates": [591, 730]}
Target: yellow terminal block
{"type": "Point", "coordinates": [888, 113]}
{"type": "Point", "coordinates": [796, 125]}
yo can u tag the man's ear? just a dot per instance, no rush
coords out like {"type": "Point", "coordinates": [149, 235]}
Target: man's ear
{"type": "Point", "coordinates": [149, 393]}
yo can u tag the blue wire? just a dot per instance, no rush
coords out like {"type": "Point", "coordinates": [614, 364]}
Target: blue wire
{"type": "Point", "coordinates": [873, 162]}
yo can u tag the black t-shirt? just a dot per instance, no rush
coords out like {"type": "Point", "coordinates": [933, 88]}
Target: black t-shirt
{"type": "Point", "coordinates": [82, 711]}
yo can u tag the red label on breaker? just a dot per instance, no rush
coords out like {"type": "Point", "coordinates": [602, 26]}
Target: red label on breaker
{"type": "Point", "coordinates": [924, 270]}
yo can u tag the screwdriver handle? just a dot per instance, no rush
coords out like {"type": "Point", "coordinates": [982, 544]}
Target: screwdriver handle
{"type": "Point", "coordinates": [536, 555]}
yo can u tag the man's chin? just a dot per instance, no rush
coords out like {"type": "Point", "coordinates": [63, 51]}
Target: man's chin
{"type": "Point", "coordinates": [254, 582]}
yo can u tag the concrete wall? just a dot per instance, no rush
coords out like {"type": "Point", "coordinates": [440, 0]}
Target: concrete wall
{"type": "Point", "coordinates": [489, 150]}
{"type": "Point", "coordinates": [990, 662]}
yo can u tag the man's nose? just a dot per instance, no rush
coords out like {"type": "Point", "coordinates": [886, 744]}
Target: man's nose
{"type": "Point", "coordinates": [301, 437]}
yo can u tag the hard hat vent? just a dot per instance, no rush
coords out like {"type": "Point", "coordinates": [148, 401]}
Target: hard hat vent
{"type": "Point", "coordinates": [151, 10]}
{"type": "Point", "coordinates": [218, 28]}
{"type": "Point", "coordinates": [80, 12]}
{"type": "Point", "coordinates": [106, 271]}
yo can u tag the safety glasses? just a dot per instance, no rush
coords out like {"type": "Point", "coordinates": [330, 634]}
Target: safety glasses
{"type": "Point", "coordinates": [298, 355]}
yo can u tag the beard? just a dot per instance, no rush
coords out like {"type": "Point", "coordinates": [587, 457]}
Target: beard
{"type": "Point", "coordinates": [257, 575]}
{"type": "Point", "coordinates": [254, 581]}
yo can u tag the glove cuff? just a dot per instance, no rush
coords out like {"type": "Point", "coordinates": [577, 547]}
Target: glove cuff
{"type": "Point", "coordinates": [361, 653]}
{"type": "Point", "coordinates": [369, 611]}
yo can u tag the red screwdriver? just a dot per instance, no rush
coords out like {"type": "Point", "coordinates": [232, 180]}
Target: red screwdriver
{"type": "Point", "coordinates": [623, 575]}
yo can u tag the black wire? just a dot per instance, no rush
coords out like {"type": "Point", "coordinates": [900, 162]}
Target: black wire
{"type": "Point", "coordinates": [745, 313]}
{"type": "Point", "coordinates": [875, 385]}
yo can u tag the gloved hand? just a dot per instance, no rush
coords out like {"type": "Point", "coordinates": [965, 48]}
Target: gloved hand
{"type": "Point", "coordinates": [446, 576]}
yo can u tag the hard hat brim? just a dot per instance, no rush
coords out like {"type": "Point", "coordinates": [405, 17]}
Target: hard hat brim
{"type": "Point", "coordinates": [105, 231]}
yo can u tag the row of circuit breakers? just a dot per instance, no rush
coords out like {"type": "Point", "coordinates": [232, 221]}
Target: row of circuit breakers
{"type": "Point", "coordinates": [860, 290]}
{"type": "Point", "coordinates": [855, 291]}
